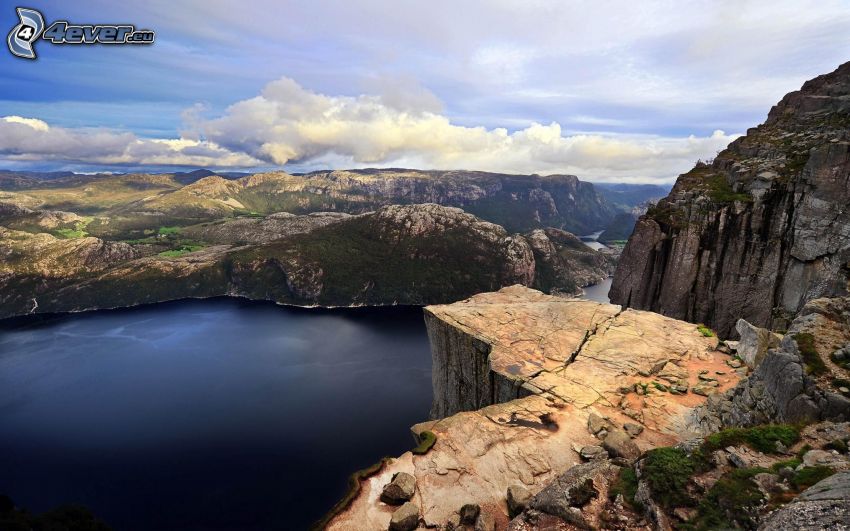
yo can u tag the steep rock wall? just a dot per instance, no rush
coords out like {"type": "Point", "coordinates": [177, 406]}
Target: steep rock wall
{"type": "Point", "coordinates": [761, 230]}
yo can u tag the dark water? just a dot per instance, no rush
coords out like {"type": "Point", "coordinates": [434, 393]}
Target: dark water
{"type": "Point", "coordinates": [598, 292]}
{"type": "Point", "coordinates": [217, 414]}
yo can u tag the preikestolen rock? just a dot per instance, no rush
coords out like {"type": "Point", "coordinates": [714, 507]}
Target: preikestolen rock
{"type": "Point", "coordinates": [469, 513]}
{"type": "Point", "coordinates": [518, 498]}
{"type": "Point", "coordinates": [405, 518]}
{"type": "Point", "coordinates": [399, 490]}
{"type": "Point", "coordinates": [619, 444]}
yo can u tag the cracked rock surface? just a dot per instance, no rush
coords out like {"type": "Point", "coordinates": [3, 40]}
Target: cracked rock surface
{"type": "Point", "coordinates": [517, 376]}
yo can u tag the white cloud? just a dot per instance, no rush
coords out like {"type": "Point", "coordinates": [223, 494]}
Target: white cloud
{"type": "Point", "coordinates": [290, 125]}
{"type": "Point", "coordinates": [33, 140]}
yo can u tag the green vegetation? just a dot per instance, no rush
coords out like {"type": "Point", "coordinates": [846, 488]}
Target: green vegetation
{"type": "Point", "coordinates": [720, 191]}
{"type": "Point", "coordinates": [626, 483]}
{"type": "Point", "coordinates": [790, 463]}
{"type": "Point", "coordinates": [79, 230]}
{"type": "Point", "coordinates": [164, 231]}
{"type": "Point", "coordinates": [761, 438]}
{"type": "Point", "coordinates": [353, 489]}
{"type": "Point", "coordinates": [838, 445]}
{"type": "Point", "coordinates": [705, 331]}
{"type": "Point", "coordinates": [731, 503]}
{"type": "Point", "coordinates": [843, 363]}
{"type": "Point", "coordinates": [182, 250]}
{"type": "Point", "coordinates": [811, 358]}
{"type": "Point", "coordinates": [668, 471]}
{"type": "Point", "coordinates": [426, 442]}
{"type": "Point", "coordinates": [806, 477]}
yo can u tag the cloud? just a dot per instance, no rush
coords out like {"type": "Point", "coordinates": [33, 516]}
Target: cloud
{"type": "Point", "coordinates": [288, 125]}
{"type": "Point", "coordinates": [33, 140]}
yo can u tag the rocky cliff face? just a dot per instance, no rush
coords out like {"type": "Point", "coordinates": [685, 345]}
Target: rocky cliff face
{"type": "Point", "coordinates": [411, 254]}
{"type": "Point", "coordinates": [758, 232]}
{"type": "Point", "coordinates": [798, 382]}
{"type": "Point", "coordinates": [583, 372]}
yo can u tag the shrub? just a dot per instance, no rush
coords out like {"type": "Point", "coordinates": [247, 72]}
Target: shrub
{"type": "Point", "coordinates": [426, 442]}
{"type": "Point", "coordinates": [625, 483]}
{"type": "Point", "coordinates": [705, 331]}
{"type": "Point", "coordinates": [838, 445]}
{"type": "Point", "coordinates": [761, 438]}
{"type": "Point", "coordinates": [811, 358]}
{"type": "Point", "coordinates": [806, 477]}
{"type": "Point", "coordinates": [668, 471]}
{"type": "Point", "coordinates": [731, 503]}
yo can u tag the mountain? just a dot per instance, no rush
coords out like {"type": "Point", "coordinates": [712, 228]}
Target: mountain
{"type": "Point", "coordinates": [518, 202]}
{"type": "Point", "coordinates": [400, 254]}
{"type": "Point", "coordinates": [759, 231]}
{"type": "Point", "coordinates": [626, 196]}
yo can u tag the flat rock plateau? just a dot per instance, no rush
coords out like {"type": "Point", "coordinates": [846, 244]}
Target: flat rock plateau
{"type": "Point", "coordinates": [518, 377]}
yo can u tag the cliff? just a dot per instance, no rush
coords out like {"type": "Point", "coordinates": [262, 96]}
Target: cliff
{"type": "Point", "coordinates": [412, 254]}
{"type": "Point", "coordinates": [527, 386]}
{"type": "Point", "coordinates": [758, 232]}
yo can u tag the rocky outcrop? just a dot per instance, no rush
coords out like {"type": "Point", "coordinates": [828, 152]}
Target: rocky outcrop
{"type": "Point", "coordinates": [583, 371]}
{"type": "Point", "coordinates": [825, 505]}
{"type": "Point", "coordinates": [758, 232]}
{"type": "Point", "coordinates": [518, 202]}
{"type": "Point", "coordinates": [495, 347]}
{"type": "Point", "coordinates": [793, 383]}
{"type": "Point", "coordinates": [412, 254]}
{"type": "Point", "coordinates": [754, 342]}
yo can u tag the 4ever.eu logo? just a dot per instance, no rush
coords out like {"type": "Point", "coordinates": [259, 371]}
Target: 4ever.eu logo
{"type": "Point", "coordinates": [31, 28]}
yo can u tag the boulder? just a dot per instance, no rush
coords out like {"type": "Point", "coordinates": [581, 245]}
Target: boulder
{"type": "Point", "coordinates": [595, 423]}
{"type": "Point", "coordinates": [633, 429]}
{"type": "Point", "coordinates": [754, 342]}
{"type": "Point", "coordinates": [592, 452]}
{"type": "Point", "coordinates": [518, 499]}
{"type": "Point", "coordinates": [399, 490]}
{"type": "Point", "coordinates": [619, 444]}
{"type": "Point", "coordinates": [405, 518]}
{"type": "Point", "coordinates": [568, 496]}
{"type": "Point", "coordinates": [469, 513]}
{"type": "Point", "coordinates": [825, 505]}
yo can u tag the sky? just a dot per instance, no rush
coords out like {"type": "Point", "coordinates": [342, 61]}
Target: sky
{"type": "Point", "coordinates": [618, 91]}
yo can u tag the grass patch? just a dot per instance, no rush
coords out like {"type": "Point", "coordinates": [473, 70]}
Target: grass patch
{"type": "Point", "coordinates": [668, 471]}
{"type": "Point", "coordinates": [720, 191]}
{"type": "Point", "coordinates": [705, 331]}
{"type": "Point", "coordinates": [426, 442]}
{"type": "Point", "coordinates": [806, 477]}
{"type": "Point", "coordinates": [761, 438]}
{"type": "Point", "coordinates": [165, 231]}
{"type": "Point", "coordinates": [838, 445]}
{"type": "Point", "coordinates": [791, 463]}
{"type": "Point", "coordinates": [811, 358]}
{"type": "Point", "coordinates": [79, 230]}
{"type": "Point", "coordinates": [182, 250]}
{"type": "Point", "coordinates": [353, 489]}
{"type": "Point", "coordinates": [626, 483]}
{"type": "Point", "coordinates": [731, 503]}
